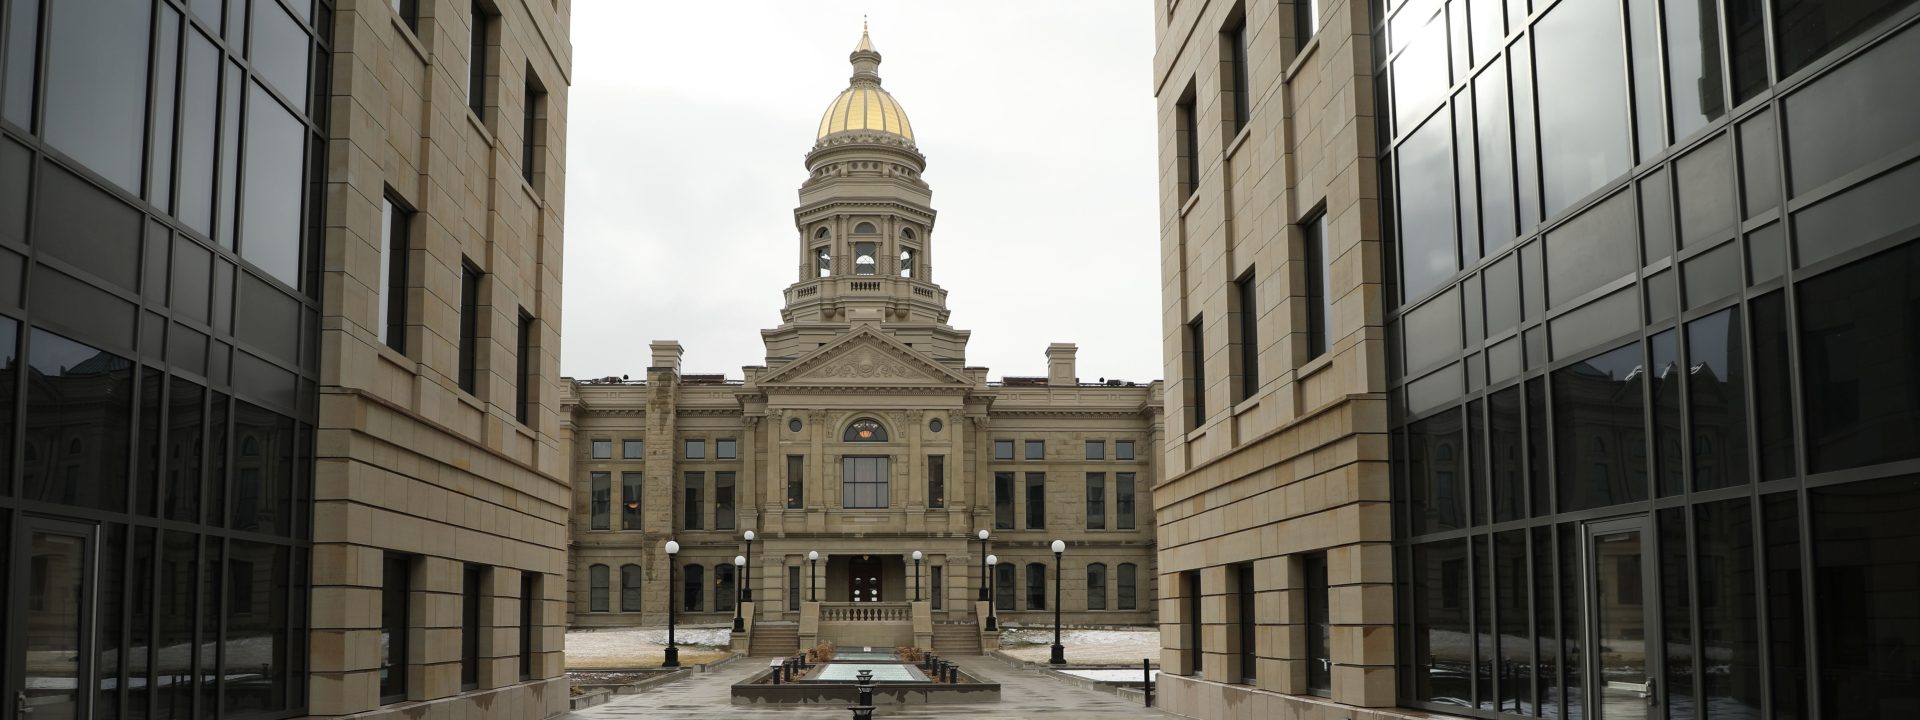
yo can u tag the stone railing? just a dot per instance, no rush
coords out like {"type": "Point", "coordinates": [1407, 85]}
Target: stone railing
{"type": "Point", "coordinates": [866, 612]}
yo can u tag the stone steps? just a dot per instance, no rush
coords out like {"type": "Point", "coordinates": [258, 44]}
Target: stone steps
{"type": "Point", "coordinates": [956, 639]}
{"type": "Point", "coordinates": [774, 639]}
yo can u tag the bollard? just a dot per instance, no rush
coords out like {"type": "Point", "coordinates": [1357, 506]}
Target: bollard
{"type": "Point", "coordinates": [953, 675]}
{"type": "Point", "coordinates": [1146, 679]}
{"type": "Point", "coordinates": [864, 710]}
{"type": "Point", "coordinates": [777, 669]}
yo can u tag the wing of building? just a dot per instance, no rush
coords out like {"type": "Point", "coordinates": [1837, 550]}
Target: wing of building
{"type": "Point", "coordinates": [864, 437]}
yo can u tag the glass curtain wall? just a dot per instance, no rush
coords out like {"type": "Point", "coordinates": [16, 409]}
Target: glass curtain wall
{"type": "Point", "coordinates": [1655, 302]}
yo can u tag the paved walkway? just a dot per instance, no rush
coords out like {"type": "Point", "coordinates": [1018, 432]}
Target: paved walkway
{"type": "Point", "coordinates": [1023, 693]}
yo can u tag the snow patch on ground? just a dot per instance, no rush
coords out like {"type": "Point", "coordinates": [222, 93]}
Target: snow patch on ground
{"type": "Point", "coordinates": [1084, 647]}
{"type": "Point", "coordinates": [643, 646]}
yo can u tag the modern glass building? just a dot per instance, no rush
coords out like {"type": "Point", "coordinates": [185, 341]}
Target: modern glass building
{"type": "Point", "coordinates": [1654, 321]}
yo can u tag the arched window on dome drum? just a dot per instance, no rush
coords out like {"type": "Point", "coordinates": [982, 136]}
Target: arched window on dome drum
{"type": "Point", "coordinates": [906, 262]}
{"type": "Point", "coordinates": [864, 262]}
{"type": "Point", "coordinates": [865, 430]}
{"type": "Point", "coordinates": [906, 233]}
{"type": "Point", "coordinates": [865, 228]}
{"type": "Point", "coordinates": [823, 260]}
{"type": "Point", "coordinates": [820, 234]}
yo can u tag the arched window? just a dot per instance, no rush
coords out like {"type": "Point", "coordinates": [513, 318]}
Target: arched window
{"type": "Point", "coordinates": [1097, 586]}
{"type": "Point", "coordinates": [1127, 587]}
{"type": "Point", "coordinates": [865, 430]}
{"type": "Point", "coordinates": [906, 262]}
{"type": "Point", "coordinates": [629, 588]}
{"type": "Point", "coordinates": [865, 228]}
{"type": "Point", "coordinates": [250, 446]}
{"type": "Point", "coordinates": [1036, 586]}
{"type": "Point", "coordinates": [823, 260]}
{"type": "Point", "coordinates": [597, 588]}
{"type": "Point", "coordinates": [691, 593]}
{"type": "Point", "coordinates": [722, 588]}
{"type": "Point", "coordinates": [906, 233]}
{"type": "Point", "coordinates": [821, 233]}
{"type": "Point", "coordinates": [864, 260]}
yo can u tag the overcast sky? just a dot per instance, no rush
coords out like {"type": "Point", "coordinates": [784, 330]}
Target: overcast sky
{"type": "Point", "coordinates": [690, 123]}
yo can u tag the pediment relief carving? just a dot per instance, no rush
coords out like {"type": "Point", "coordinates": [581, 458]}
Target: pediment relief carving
{"type": "Point", "coordinates": [865, 358]}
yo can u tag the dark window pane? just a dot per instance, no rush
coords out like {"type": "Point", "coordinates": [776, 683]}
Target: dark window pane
{"type": "Point", "coordinates": [796, 482]}
{"type": "Point", "coordinates": [1441, 662]}
{"type": "Point", "coordinates": [1504, 360]}
{"type": "Point", "coordinates": [1036, 501]}
{"type": "Point", "coordinates": [1573, 632]}
{"type": "Point", "coordinates": [1591, 250]}
{"type": "Point", "coordinates": [1759, 164]}
{"type": "Point", "coordinates": [1583, 96]}
{"type": "Point", "coordinates": [936, 481]}
{"type": "Point", "coordinates": [1003, 587]}
{"type": "Point", "coordinates": [1433, 331]}
{"type": "Point", "coordinates": [1427, 254]}
{"type": "Point", "coordinates": [723, 588]}
{"type": "Point", "coordinates": [1538, 482]}
{"type": "Point", "coordinates": [1439, 388]}
{"type": "Point", "coordinates": [263, 476]}
{"type": "Point", "coordinates": [723, 508]}
{"type": "Point", "coordinates": [1096, 501]}
{"type": "Point", "coordinates": [1746, 47]}
{"type": "Point", "coordinates": [1869, 211]}
{"type": "Point", "coordinates": [1717, 400]}
{"type": "Point", "coordinates": [1502, 281]}
{"type": "Point", "coordinates": [258, 575]}
{"type": "Point", "coordinates": [1663, 298]}
{"type": "Point", "coordinates": [1436, 482]}
{"type": "Point", "coordinates": [1780, 516]}
{"type": "Point", "coordinates": [630, 588]}
{"type": "Point", "coordinates": [1656, 216]}
{"type": "Point", "coordinates": [1728, 615]}
{"type": "Point", "coordinates": [268, 318]}
{"type": "Point", "coordinates": [23, 27]}
{"type": "Point", "coordinates": [693, 588]}
{"type": "Point", "coordinates": [16, 169]}
{"type": "Point", "coordinates": [1829, 131]}
{"type": "Point", "coordinates": [1127, 593]}
{"type": "Point", "coordinates": [270, 220]}
{"type": "Point", "coordinates": [1865, 556]}
{"type": "Point", "coordinates": [1773, 386]}
{"type": "Point", "coordinates": [1666, 374]}
{"type": "Point", "coordinates": [78, 404]}
{"type": "Point", "coordinates": [1484, 640]}
{"type": "Point", "coordinates": [1712, 275]}
{"type": "Point", "coordinates": [1123, 499]}
{"type": "Point", "coordinates": [1693, 65]}
{"type": "Point", "coordinates": [1767, 253]}
{"type": "Point", "coordinates": [631, 490]}
{"type": "Point", "coordinates": [597, 588]}
{"type": "Point", "coordinates": [96, 85]}
{"type": "Point", "coordinates": [602, 490]}
{"type": "Point", "coordinates": [1508, 467]}
{"type": "Point", "coordinates": [1036, 586]}
{"type": "Point", "coordinates": [469, 327]}
{"type": "Point", "coordinates": [1599, 441]}
{"type": "Point", "coordinates": [1003, 500]}
{"type": "Point", "coordinates": [1477, 489]}
{"type": "Point", "coordinates": [1676, 613]}
{"type": "Point", "coordinates": [693, 497]}
{"type": "Point", "coordinates": [88, 228]}
{"type": "Point", "coordinates": [1546, 652]}
{"type": "Point", "coordinates": [396, 587]}
{"type": "Point", "coordinates": [1492, 129]}
{"type": "Point", "coordinates": [1596, 322]}
{"type": "Point", "coordinates": [1705, 179]}
{"type": "Point", "coordinates": [9, 360]}
{"type": "Point", "coordinates": [200, 105]}
{"type": "Point", "coordinates": [1510, 595]}
{"type": "Point", "coordinates": [1859, 332]}
{"type": "Point", "coordinates": [1097, 586]}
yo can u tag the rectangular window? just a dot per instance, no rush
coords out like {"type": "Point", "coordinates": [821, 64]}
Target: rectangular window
{"type": "Point", "coordinates": [1235, 39]}
{"type": "Point", "coordinates": [1306, 21]}
{"type": "Point", "coordinates": [723, 501]}
{"type": "Point", "coordinates": [1123, 449]}
{"type": "Point", "coordinates": [633, 449]}
{"type": "Point", "coordinates": [597, 588]}
{"type": "Point", "coordinates": [1003, 449]}
{"type": "Point", "coordinates": [629, 588]}
{"type": "Point", "coordinates": [793, 588]}
{"type": "Point", "coordinates": [529, 610]}
{"type": "Point", "coordinates": [631, 488]}
{"type": "Point", "coordinates": [1246, 621]}
{"type": "Point", "coordinates": [602, 489]}
{"type": "Point", "coordinates": [1129, 588]}
{"type": "Point", "coordinates": [1096, 449]}
{"type": "Point", "coordinates": [693, 494]}
{"type": "Point", "coordinates": [528, 371]}
{"type": "Point", "coordinates": [1003, 501]}
{"type": "Point", "coordinates": [407, 10]}
{"type": "Point", "coordinates": [823, 261]}
{"type": "Point", "coordinates": [395, 245]}
{"type": "Point", "coordinates": [1036, 586]}
{"type": "Point", "coordinates": [726, 449]}
{"type": "Point", "coordinates": [723, 588]}
{"type": "Point", "coordinates": [934, 576]}
{"type": "Point", "coordinates": [864, 260]}
{"type": "Point", "coordinates": [1190, 592]}
{"type": "Point", "coordinates": [469, 326]}
{"type": "Point", "coordinates": [863, 482]}
{"type": "Point", "coordinates": [1097, 586]}
{"type": "Point", "coordinates": [1003, 589]}
{"type": "Point", "coordinates": [395, 590]}
{"type": "Point", "coordinates": [1036, 501]}
{"type": "Point", "coordinates": [531, 128]}
{"type": "Point", "coordinates": [1319, 627]}
{"type": "Point", "coordinates": [1036, 449]}
{"type": "Point", "coordinates": [470, 627]}
{"type": "Point", "coordinates": [1247, 292]}
{"type": "Point", "coordinates": [601, 449]}
{"type": "Point", "coordinates": [796, 482]}
{"type": "Point", "coordinates": [1096, 501]}
{"type": "Point", "coordinates": [1197, 370]}
{"type": "Point", "coordinates": [477, 62]}
{"type": "Point", "coordinates": [1313, 233]}
{"type": "Point", "coordinates": [936, 481]}
{"type": "Point", "coordinates": [1187, 126]}
{"type": "Point", "coordinates": [1596, 405]}
{"type": "Point", "coordinates": [693, 588]}
{"type": "Point", "coordinates": [695, 450]}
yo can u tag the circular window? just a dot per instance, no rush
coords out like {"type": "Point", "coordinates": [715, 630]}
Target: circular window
{"type": "Point", "coordinates": [793, 425]}
{"type": "Point", "coordinates": [935, 425]}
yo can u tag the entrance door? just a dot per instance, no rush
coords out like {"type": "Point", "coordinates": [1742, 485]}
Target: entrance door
{"type": "Point", "coordinates": [863, 576]}
{"type": "Point", "coordinates": [51, 646]}
{"type": "Point", "coordinates": [1619, 630]}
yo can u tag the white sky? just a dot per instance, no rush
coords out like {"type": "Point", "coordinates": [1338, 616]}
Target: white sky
{"type": "Point", "coordinates": [690, 122]}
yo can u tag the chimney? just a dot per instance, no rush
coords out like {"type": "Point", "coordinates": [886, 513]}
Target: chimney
{"type": "Point", "coordinates": [666, 356]}
{"type": "Point", "coordinates": [1060, 369]}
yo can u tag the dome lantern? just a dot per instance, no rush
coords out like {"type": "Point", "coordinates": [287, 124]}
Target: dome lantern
{"type": "Point", "coordinates": [864, 107]}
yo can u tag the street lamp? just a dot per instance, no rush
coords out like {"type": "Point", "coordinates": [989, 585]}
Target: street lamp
{"type": "Point", "coordinates": [1059, 651]}
{"type": "Point", "coordinates": [673, 650]}
{"type": "Point", "coordinates": [983, 581]}
{"type": "Point", "coordinates": [740, 564]}
{"type": "Point", "coordinates": [992, 560]}
{"type": "Point", "coordinates": [746, 587]}
{"type": "Point", "coordinates": [916, 575]}
{"type": "Point", "coordinates": [813, 566]}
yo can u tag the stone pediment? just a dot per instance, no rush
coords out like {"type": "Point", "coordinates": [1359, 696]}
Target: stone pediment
{"type": "Point", "coordinates": [865, 357]}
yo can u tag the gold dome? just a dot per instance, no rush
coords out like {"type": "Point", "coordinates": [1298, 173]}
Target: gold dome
{"type": "Point", "coordinates": [864, 106]}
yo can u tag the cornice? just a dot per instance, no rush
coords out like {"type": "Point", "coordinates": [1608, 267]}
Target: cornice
{"type": "Point", "coordinates": [811, 212]}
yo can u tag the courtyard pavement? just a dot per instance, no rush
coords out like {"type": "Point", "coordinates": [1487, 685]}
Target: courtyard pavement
{"type": "Point", "coordinates": [1023, 694]}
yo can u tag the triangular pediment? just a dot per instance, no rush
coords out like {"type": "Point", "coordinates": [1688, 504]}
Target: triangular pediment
{"type": "Point", "coordinates": [864, 356]}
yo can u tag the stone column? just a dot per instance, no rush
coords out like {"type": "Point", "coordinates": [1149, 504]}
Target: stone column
{"type": "Point", "coordinates": [749, 478]}
{"type": "Point", "coordinates": [916, 490]}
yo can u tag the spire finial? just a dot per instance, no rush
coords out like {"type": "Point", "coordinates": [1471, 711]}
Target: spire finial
{"type": "Point", "coordinates": [866, 42]}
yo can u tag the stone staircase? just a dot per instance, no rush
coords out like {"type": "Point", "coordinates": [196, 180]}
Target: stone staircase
{"type": "Point", "coordinates": [774, 639]}
{"type": "Point", "coordinates": [956, 638]}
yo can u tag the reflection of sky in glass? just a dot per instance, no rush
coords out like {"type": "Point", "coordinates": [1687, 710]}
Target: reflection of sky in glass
{"type": "Point", "coordinates": [1426, 207]}
{"type": "Point", "coordinates": [54, 355]}
{"type": "Point", "coordinates": [1420, 75]}
{"type": "Point", "coordinates": [1583, 100]}
{"type": "Point", "coordinates": [1707, 341]}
